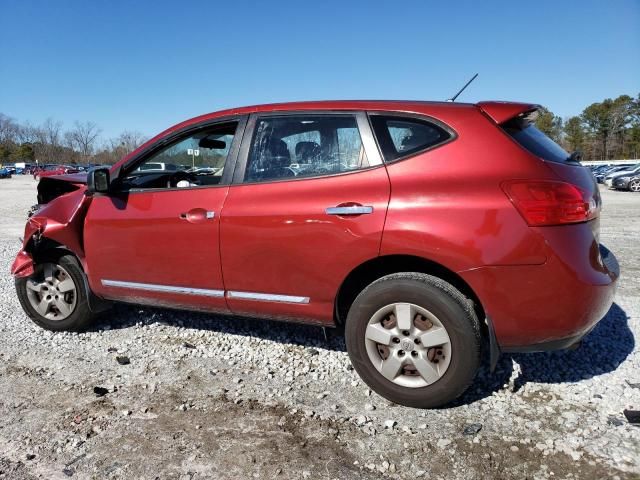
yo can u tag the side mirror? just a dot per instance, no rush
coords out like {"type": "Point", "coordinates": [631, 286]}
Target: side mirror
{"type": "Point", "coordinates": [98, 180]}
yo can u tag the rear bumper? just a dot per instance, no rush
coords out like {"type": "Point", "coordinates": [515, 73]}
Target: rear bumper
{"type": "Point", "coordinates": [550, 306]}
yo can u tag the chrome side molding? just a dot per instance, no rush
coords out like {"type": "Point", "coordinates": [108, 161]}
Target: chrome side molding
{"type": "Point", "coordinates": [149, 287]}
{"type": "Point", "coordinates": [267, 297]}
{"type": "Point", "coordinates": [262, 297]}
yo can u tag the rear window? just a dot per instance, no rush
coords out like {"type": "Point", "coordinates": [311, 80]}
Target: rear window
{"type": "Point", "coordinates": [523, 130]}
{"type": "Point", "coordinates": [400, 137]}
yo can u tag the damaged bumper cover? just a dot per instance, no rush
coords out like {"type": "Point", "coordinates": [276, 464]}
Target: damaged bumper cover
{"type": "Point", "coordinates": [22, 265]}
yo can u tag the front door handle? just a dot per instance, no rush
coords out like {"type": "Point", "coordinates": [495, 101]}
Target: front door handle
{"type": "Point", "coordinates": [197, 215]}
{"type": "Point", "coordinates": [349, 210]}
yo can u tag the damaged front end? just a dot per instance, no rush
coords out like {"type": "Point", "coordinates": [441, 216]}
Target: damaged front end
{"type": "Point", "coordinates": [50, 188]}
{"type": "Point", "coordinates": [55, 222]}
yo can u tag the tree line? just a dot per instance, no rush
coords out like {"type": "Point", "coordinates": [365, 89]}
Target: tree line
{"type": "Point", "coordinates": [50, 143]}
{"type": "Point", "coordinates": [606, 130]}
{"type": "Point", "coordinates": [603, 131]}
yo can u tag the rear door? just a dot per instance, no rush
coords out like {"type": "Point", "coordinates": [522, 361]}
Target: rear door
{"type": "Point", "coordinates": [307, 206]}
{"type": "Point", "coordinates": [155, 238]}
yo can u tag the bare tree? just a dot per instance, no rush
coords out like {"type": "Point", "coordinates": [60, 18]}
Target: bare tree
{"type": "Point", "coordinates": [8, 130]}
{"type": "Point", "coordinates": [116, 148]}
{"type": "Point", "coordinates": [128, 141]}
{"type": "Point", "coordinates": [83, 138]}
{"type": "Point", "coordinates": [27, 133]}
{"type": "Point", "coordinates": [46, 140]}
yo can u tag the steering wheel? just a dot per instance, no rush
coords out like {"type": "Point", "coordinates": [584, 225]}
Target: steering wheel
{"type": "Point", "coordinates": [182, 175]}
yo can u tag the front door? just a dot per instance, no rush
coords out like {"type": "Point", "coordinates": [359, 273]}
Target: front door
{"type": "Point", "coordinates": [307, 206]}
{"type": "Point", "coordinates": [155, 238]}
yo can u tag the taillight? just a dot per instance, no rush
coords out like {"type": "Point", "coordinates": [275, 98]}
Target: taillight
{"type": "Point", "coordinates": [548, 202]}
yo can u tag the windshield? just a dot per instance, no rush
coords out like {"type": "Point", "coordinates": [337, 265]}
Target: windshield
{"type": "Point", "coordinates": [523, 131]}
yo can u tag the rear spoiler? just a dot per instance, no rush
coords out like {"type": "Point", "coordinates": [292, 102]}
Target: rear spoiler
{"type": "Point", "coordinates": [501, 112]}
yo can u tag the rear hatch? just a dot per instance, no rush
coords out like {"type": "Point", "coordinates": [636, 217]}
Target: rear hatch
{"type": "Point", "coordinates": [572, 199]}
{"type": "Point", "coordinates": [567, 167]}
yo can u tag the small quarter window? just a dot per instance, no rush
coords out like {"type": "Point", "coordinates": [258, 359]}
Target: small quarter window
{"type": "Point", "coordinates": [400, 137]}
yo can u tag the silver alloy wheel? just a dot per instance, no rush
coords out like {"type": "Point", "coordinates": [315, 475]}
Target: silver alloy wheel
{"type": "Point", "coordinates": [408, 345]}
{"type": "Point", "coordinates": [634, 185]}
{"type": "Point", "coordinates": [52, 292]}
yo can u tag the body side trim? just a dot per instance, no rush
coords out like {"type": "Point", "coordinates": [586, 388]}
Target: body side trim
{"type": "Point", "coordinates": [267, 297]}
{"type": "Point", "coordinates": [163, 288]}
{"type": "Point", "coordinates": [264, 297]}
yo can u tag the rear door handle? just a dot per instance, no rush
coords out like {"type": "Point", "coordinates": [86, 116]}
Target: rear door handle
{"type": "Point", "coordinates": [197, 215]}
{"type": "Point", "coordinates": [350, 210]}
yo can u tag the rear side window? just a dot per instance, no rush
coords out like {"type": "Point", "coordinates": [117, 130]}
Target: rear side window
{"type": "Point", "coordinates": [523, 130]}
{"type": "Point", "coordinates": [286, 147]}
{"type": "Point", "coordinates": [400, 137]}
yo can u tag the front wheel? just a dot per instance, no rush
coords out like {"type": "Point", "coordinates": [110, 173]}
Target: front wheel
{"type": "Point", "coordinates": [634, 185]}
{"type": "Point", "coordinates": [55, 297]}
{"type": "Point", "coordinates": [414, 339]}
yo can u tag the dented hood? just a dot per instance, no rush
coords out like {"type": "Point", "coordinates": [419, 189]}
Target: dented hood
{"type": "Point", "coordinates": [80, 178]}
{"type": "Point", "coordinates": [54, 186]}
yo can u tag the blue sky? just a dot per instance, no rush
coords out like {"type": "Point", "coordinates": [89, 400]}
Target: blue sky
{"type": "Point", "coordinates": [147, 65]}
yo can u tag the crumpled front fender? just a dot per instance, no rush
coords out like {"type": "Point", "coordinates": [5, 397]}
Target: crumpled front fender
{"type": "Point", "coordinates": [23, 265]}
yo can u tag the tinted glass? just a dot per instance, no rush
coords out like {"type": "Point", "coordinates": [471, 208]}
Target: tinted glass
{"type": "Point", "coordinates": [304, 146]}
{"type": "Point", "coordinates": [399, 137]}
{"type": "Point", "coordinates": [536, 142]}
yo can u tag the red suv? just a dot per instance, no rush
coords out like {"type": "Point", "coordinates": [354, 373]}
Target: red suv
{"type": "Point", "coordinates": [428, 230]}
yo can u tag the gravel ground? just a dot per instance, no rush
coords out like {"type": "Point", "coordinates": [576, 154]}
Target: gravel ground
{"type": "Point", "coordinates": [217, 397]}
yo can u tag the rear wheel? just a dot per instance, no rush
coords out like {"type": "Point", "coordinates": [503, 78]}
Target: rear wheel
{"type": "Point", "coordinates": [634, 185]}
{"type": "Point", "coordinates": [55, 297]}
{"type": "Point", "coordinates": [414, 339]}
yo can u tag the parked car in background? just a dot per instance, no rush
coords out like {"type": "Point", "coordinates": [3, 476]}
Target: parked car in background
{"type": "Point", "coordinates": [634, 184]}
{"type": "Point", "coordinates": [383, 231]}
{"type": "Point", "coordinates": [601, 174]}
{"type": "Point", "coordinates": [620, 178]}
{"type": "Point", "coordinates": [51, 170]}
{"type": "Point", "coordinates": [5, 172]}
{"type": "Point", "coordinates": [627, 181]}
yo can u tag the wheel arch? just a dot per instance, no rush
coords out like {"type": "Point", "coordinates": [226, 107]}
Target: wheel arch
{"type": "Point", "coordinates": [378, 267]}
{"type": "Point", "coordinates": [43, 246]}
{"type": "Point", "coordinates": [38, 248]}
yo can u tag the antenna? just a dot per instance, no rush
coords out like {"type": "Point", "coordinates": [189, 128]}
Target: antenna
{"type": "Point", "coordinates": [453, 99]}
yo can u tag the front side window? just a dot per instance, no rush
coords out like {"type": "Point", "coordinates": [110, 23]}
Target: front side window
{"type": "Point", "coordinates": [304, 146]}
{"type": "Point", "coordinates": [400, 137]}
{"type": "Point", "coordinates": [193, 161]}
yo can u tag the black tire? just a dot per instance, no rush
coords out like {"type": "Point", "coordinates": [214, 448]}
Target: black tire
{"type": "Point", "coordinates": [454, 312]}
{"type": "Point", "coordinates": [81, 315]}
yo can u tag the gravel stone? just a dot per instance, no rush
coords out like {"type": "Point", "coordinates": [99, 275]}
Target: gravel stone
{"type": "Point", "coordinates": [472, 429]}
{"type": "Point", "coordinates": [299, 394]}
{"type": "Point", "coordinates": [390, 424]}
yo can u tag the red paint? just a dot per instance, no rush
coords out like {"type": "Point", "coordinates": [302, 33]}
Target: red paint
{"type": "Point", "coordinates": [22, 265]}
{"type": "Point", "coordinates": [445, 205]}
{"type": "Point", "coordinates": [500, 112]}
{"type": "Point", "coordinates": [142, 238]}
{"type": "Point", "coordinates": [277, 238]}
